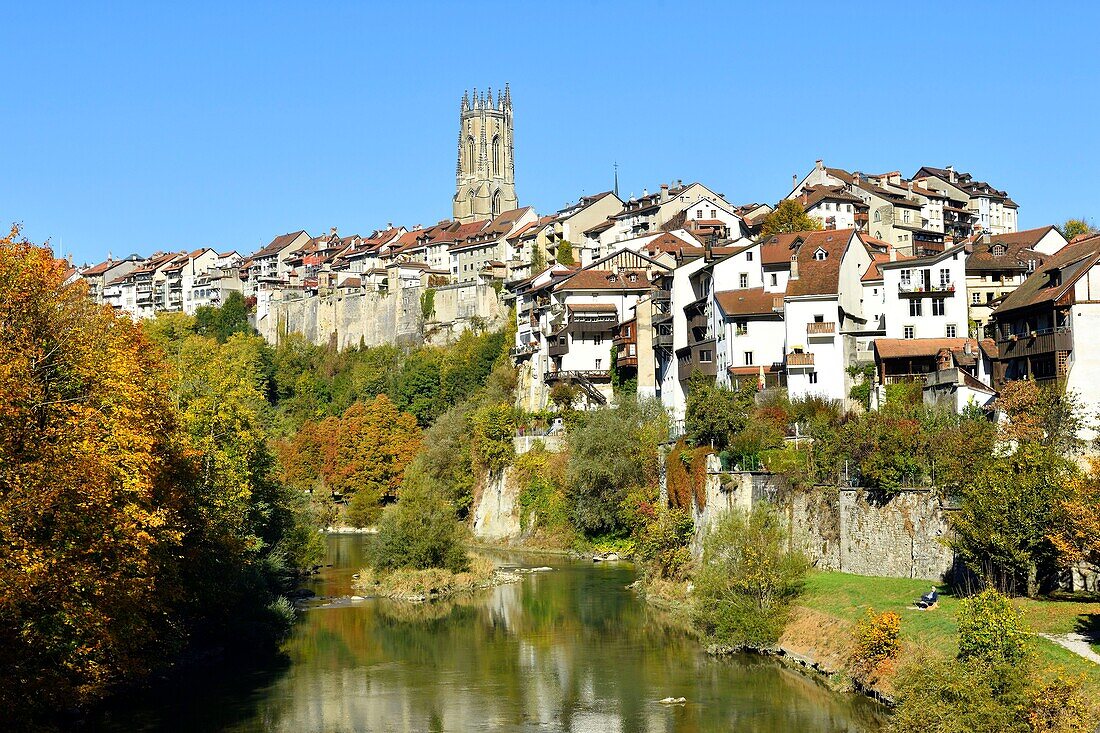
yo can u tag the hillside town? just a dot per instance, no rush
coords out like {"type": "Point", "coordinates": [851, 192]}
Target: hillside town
{"type": "Point", "coordinates": [926, 278]}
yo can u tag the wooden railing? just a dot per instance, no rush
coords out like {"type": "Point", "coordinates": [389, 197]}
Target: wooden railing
{"type": "Point", "coordinates": [819, 328]}
{"type": "Point", "coordinates": [800, 359]}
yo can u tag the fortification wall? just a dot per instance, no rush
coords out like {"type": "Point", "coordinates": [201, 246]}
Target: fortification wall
{"type": "Point", "coordinates": [373, 319]}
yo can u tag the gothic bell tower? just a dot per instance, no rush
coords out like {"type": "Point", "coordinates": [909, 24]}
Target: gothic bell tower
{"type": "Point", "coordinates": [486, 184]}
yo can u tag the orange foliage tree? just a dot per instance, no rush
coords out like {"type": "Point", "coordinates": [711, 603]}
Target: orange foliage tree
{"type": "Point", "coordinates": [1076, 532]}
{"type": "Point", "coordinates": [88, 462]}
{"type": "Point", "coordinates": [360, 456]}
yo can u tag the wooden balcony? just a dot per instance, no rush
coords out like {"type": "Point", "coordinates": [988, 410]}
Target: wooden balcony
{"type": "Point", "coordinates": [905, 378]}
{"type": "Point", "coordinates": [697, 357]}
{"type": "Point", "coordinates": [558, 345]}
{"type": "Point", "coordinates": [1034, 343]}
{"type": "Point", "coordinates": [821, 328]}
{"type": "Point", "coordinates": [800, 359]}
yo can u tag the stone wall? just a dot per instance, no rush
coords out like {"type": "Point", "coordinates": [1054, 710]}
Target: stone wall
{"type": "Point", "coordinates": [902, 535]}
{"type": "Point", "coordinates": [852, 530]}
{"type": "Point", "coordinates": [373, 319]}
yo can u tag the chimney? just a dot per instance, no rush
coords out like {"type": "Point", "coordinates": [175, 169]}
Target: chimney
{"type": "Point", "coordinates": [951, 173]}
{"type": "Point", "coordinates": [910, 194]}
{"type": "Point", "coordinates": [819, 164]}
{"type": "Point", "coordinates": [893, 254]}
{"type": "Point", "coordinates": [794, 181]}
{"type": "Point", "coordinates": [794, 266]}
{"type": "Point", "coordinates": [332, 231]}
{"type": "Point", "coordinates": [645, 192]}
{"type": "Point", "coordinates": [664, 192]}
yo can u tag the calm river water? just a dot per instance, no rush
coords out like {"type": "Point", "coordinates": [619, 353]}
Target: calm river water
{"type": "Point", "coordinates": [567, 650]}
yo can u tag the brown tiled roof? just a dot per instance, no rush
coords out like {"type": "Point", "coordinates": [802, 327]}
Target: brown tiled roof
{"type": "Point", "coordinates": [604, 280]}
{"type": "Point", "coordinates": [278, 244]}
{"type": "Point", "coordinates": [874, 272]}
{"type": "Point", "coordinates": [1072, 260]}
{"type": "Point", "coordinates": [902, 348]}
{"type": "Point", "coordinates": [592, 308]}
{"type": "Point", "coordinates": [813, 195]}
{"type": "Point", "coordinates": [748, 302]}
{"type": "Point", "coordinates": [99, 269]}
{"type": "Point", "coordinates": [751, 370]}
{"type": "Point", "coordinates": [815, 277]}
{"type": "Point", "coordinates": [601, 227]}
{"type": "Point", "coordinates": [989, 348]}
{"type": "Point", "coordinates": [671, 244]}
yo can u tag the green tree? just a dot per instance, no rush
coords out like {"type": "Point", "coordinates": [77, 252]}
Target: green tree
{"type": "Point", "coordinates": [223, 321]}
{"type": "Point", "coordinates": [538, 258]}
{"type": "Point", "coordinates": [419, 532]}
{"type": "Point", "coordinates": [748, 578]}
{"type": "Point", "coordinates": [1006, 516]}
{"type": "Point", "coordinates": [565, 253]}
{"type": "Point", "coordinates": [715, 413]}
{"type": "Point", "coordinates": [494, 427]}
{"type": "Point", "coordinates": [789, 216]}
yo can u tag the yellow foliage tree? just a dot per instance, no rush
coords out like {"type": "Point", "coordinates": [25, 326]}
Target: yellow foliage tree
{"type": "Point", "coordinates": [88, 453]}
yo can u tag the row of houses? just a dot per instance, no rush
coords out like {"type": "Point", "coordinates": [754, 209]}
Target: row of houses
{"type": "Point", "coordinates": [676, 290]}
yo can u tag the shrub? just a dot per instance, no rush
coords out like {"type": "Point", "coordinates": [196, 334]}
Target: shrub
{"type": "Point", "coordinates": [877, 641]}
{"type": "Point", "coordinates": [419, 532]}
{"type": "Point", "coordinates": [748, 578]}
{"type": "Point", "coordinates": [991, 630]}
{"type": "Point", "coordinates": [948, 697]}
{"type": "Point", "coordinates": [494, 427]}
{"type": "Point", "coordinates": [564, 395]}
{"type": "Point", "coordinates": [663, 548]}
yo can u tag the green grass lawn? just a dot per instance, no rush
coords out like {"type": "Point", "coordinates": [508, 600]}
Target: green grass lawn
{"type": "Point", "coordinates": [935, 631]}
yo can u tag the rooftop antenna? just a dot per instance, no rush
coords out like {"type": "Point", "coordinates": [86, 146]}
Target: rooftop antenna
{"type": "Point", "coordinates": [616, 167]}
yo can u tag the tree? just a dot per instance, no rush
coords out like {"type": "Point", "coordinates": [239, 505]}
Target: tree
{"type": "Point", "coordinates": [748, 578]}
{"type": "Point", "coordinates": [1076, 227]}
{"type": "Point", "coordinates": [1075, 533]}
{"type": "Point", "coordinates": [1006, 517]}
{"type": "Point", "coordinates": [494, 427]}
{"type": "Point", "coordinates": [789, 216]}
{"type": "Point", "coordinates": [419, 532]}
{"type": "Point", "coordinates": [90, 469]}
{"type": "Point", "coordinates": [715, 413]}
{"type": "Point", "coordinates": [538, 258]}
{"type": "Point", "coordinates": [223, 321]}
{"type": "Point", "coordinates": [565, 253]}
{"type": "Point", "coordinates": [1046, 415]}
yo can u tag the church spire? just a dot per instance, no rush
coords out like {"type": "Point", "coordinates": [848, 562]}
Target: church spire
{"type": "Point", "coordinates": [489, 99]}
{"type": "Point", "coordinates": [507, 96]}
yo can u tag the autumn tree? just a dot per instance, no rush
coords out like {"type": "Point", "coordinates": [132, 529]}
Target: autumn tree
{"type": "Point", "coordinates": [1045, 415]}
{"type": "Point", "coordinates": [89, 468]}
{"type": "Point", "coordinates": [1071, 228]}
{"type": "Point", "coordinates": [1076, 528]}
{"type": "Point", "coordinates": [789, 216]}
{"type": "Point", "coordinates": [565, 253]}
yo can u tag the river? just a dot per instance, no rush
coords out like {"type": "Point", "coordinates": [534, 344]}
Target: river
{"type": "Point", "coordinates": [567, 650]}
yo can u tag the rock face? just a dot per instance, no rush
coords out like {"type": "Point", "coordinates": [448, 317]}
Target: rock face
{"type": "Point", "coordinates": [496, 511]}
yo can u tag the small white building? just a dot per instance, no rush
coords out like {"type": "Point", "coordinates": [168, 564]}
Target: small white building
{"type": "Point", "coordinates": [926, 296]}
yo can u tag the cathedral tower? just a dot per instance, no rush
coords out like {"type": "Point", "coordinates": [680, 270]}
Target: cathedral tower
{"type": "Point", "coordinates": [486, 184]}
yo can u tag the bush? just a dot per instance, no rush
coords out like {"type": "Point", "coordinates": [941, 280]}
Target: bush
{"type": "Point", "coordinates": [493, 430]}
{"type": "Point", "coordinates": [748, 578]}
{"type": "Point", "coordinates": [991, 631]}
{"type": "Point", "coordinates": [663, 548]}
{"type": "Point", "coordinates": [877, 641]}
{"type": "Point", "coordinates": [948, 697]}
{"type": "Point", "coordinates": [419, 532]}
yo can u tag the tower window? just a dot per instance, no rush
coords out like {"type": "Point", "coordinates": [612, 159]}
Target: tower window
{"type": "Point", "coordinates": [496, 155]}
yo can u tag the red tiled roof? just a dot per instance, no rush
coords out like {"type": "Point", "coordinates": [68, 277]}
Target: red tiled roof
{"type": "Point", "coordinates": [592, 308]}
{"type": "Point", "coordinates": [1073, 260]}
{"type": "Point", "coordinates": [902, 348]}
{"type": "Point", "coordinates": [815, 277]}
{"type": "Point", "coordinates": [748, 302]}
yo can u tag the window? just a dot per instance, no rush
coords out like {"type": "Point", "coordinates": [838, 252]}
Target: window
{"type": "Point", "coordinates": [813, 377]}
{"type": "Point", "coordinates": [775, 279]}
{"type": "Point", "coordinates": [905, 216]}
{"type": "Point", "coordinates": [714, 213]}
{"type": "Point", "coordinates": [631, 350]}
{"type": "Point", "coordinates": [748, 358]}
{"type": "Point", "coordinates": [951, 331]}
{"type": "Point", "coordinates": [874, 291]}
{"type": "Point", "coordinates": [907, 332]}
{"type": "Point", "coordinates": [742, 328]}
{"type": "Point", "coordinates": [945, 276]}
{"type": "Point", "coordinates": [597, 339]}
{"type": "Point", "coordinates": [906, 277]}
{"type": "Point", "coordinates": [878, 216]}
{"type": "Point", "coordinates": [599, 363]}
{"type": "Point", "coordinates": [976, 298]}
{"type": "Point", "coordinates": [743, 280]}
{"type": "Point", "coordinates": [938, 306]}
{"type": "Point", "coordinates": [699, 214]}
{"type": "Point", "coordinates": [818, 318]}
{"type": "Point", "coordinates": [820, 254]}
{"type": "Point", "coordinates": [748, 257]}
{"type": "Point", "coordinates": [914, 307]}
{"type": "Point", "coordinates": [705, 356]}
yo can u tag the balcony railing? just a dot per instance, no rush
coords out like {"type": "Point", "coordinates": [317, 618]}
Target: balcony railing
{"type": "Point", "coordinates": [922, 289]}
{"type": "Point", "coordinates": [800, 359]}
{"type": "Point", "coordinates": [524, 349]}
{"type": "Point", "coordinates": [821, 328]}
{"type": "Point", "coordinates": [904, 378]}
{"type": "Point", "coordinates": [662, 340]}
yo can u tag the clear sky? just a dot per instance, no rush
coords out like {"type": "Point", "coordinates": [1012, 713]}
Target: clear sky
{"type": "Point", "coordinates": [136, 127]}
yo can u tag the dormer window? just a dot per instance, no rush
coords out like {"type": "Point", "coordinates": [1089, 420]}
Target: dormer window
{"type": "Point", "coordinates": [820, 254]}
{"type": "Point", "coordinates": [998, 250]}
{"type": "Point", "coordinates": [1055, 278]}
{"type": "Point", "coordinates": [632, 277]}
{"type": "Point", "coordinates": [612, 278]}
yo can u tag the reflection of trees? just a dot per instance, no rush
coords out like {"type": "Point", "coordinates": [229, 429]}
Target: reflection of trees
{"type": "Point", "coordinates": [568, 650]}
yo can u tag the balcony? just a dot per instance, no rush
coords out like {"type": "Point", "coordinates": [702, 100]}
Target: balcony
{"type": "Point", "coordinates": [799, 359]}
{"type": "Point", "coordinates": [576, 374]}
{"type": "Point", "coordinates": [919, 290]}
{"type": "Point", "coordinates": [662, 340]}
{"type": "Point", "coordinates": [905, 378]}
{"type": "Point", "coordinates": [558, 345]}
{"type": "Point", "coordinates": [698, 357]}
{"type": "Point", "coordinates": [526, 349]}
{"type": "Point", "coordinates": [624, 359]}
{"type": "Point", "coordinates": [821, 329]}
{"type": "Point", "coordinates": [1032, 343]}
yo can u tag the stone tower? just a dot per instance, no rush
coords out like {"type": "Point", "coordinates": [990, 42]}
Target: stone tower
{"type": "Point", "coordinates": [486, 183]}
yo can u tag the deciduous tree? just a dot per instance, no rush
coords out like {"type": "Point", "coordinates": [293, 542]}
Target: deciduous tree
{"type": "Point", "coordinates": [789, 216]}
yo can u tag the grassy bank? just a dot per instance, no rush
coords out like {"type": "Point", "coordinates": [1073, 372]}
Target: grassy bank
{"type": "Point", "coordinates": [833, 602]}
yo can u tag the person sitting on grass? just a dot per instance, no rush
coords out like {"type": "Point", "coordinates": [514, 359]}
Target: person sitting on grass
{"type": "Point", "coordinates": [929, 599]}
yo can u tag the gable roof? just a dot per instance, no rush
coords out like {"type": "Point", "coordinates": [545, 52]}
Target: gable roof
{"type": "Point", "coordinates": [749, 302]}
{"type": "Point", "coordinates": [591, 279]}
{"type": "Point", "coordinates": [1072, 261]}
{"type": "Point", "coordinates": [1017, 251]}
{"type": "Point", "coordinates": [815, 277]}
{"type": "Point", "coordinates": [909, 348]}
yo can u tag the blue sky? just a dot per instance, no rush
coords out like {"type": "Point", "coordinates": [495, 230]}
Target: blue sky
{"type": "Point", "coordinates": [136, 127]}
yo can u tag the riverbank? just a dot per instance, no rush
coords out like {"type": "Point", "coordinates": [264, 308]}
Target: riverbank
{"type": "Point", "coordinates": [819, 635]}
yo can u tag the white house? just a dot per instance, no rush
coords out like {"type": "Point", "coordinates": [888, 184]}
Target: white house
{"type": "Point", "coordinates": [926, 296]}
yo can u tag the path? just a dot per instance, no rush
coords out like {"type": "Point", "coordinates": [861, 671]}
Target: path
{"type": "Point", "coordinates": [1076, 643]}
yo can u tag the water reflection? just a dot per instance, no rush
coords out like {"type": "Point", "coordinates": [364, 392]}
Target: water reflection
{"type": "Point", "coordinates": [568, 650]}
